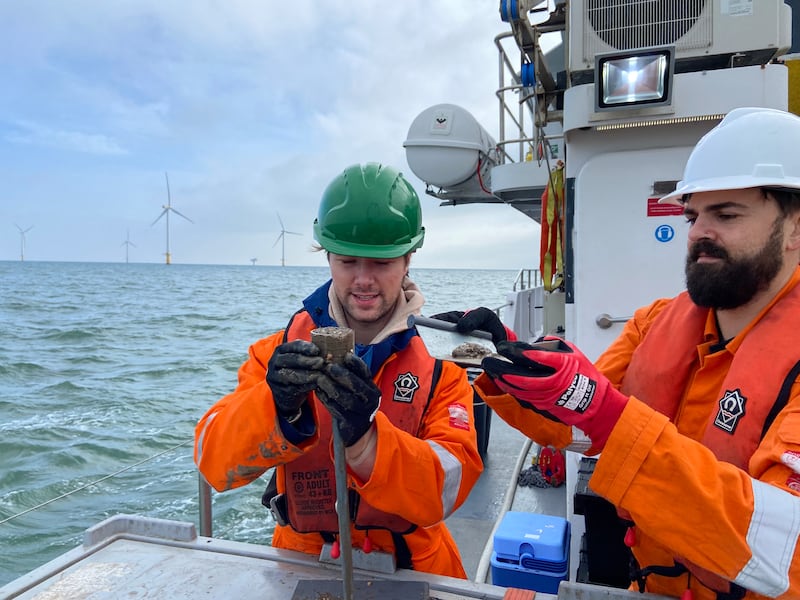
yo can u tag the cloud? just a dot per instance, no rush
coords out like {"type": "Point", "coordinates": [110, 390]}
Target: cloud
{"type": "Point", "coordinates": [251, 107]}
{"type": "Point", "coordinates": [39, 135]}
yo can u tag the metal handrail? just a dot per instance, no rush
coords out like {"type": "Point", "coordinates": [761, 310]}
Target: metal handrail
{"type": "Point", "coordinates": [204, 506]}
{"type": "Point", "coordinates": [527, 279]}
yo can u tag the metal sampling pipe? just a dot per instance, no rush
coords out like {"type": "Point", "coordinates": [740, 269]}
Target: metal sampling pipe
{"type": "Point", "coordinates": [335, 343]}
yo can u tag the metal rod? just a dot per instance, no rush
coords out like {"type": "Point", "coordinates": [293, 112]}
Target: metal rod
{"type": "Point", "coordinates": [335, 342]}
{"type": "Point", "coordinates": [204, 498]}
{"type": "Point", "coordinates": [343, 512]}
{"type": "Point", "coordinates": [419, 320]}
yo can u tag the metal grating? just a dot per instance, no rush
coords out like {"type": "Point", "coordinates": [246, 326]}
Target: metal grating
{"type": "Point", "coordinates": [631, 24]}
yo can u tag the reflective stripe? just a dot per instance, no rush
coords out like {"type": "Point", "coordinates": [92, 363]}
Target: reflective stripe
{"type": "Point", "coordinates": [772, 538]}
{"type": "Point", "coordinates": [201, 437]}
{"type": "Point", "coordinates": [452, 477]}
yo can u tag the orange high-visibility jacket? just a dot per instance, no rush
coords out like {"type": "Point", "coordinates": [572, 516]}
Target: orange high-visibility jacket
{"type": "Point", "coordinates": [422, 478]}
{"type": "Point", "coordinates": [711, 476]}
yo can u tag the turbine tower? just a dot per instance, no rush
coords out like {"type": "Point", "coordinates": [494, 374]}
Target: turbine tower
{"type": "Point", "coordinates": [127, 243]}
{"type": "Point", "coordinates": [168, 209]}
{"type": "Point", "coordinates": [281, 239]}
{"type": "Point", "coordinates": [22, 233]}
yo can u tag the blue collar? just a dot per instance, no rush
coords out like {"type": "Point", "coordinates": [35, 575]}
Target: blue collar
{"type": "Point", "coordinates": [317, 304]}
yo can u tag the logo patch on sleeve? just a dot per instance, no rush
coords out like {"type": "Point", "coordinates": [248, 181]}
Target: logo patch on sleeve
{"type": "Point", "coordinates": [792, 460]}
{"type": "Point", "coordinates": [459, 417]}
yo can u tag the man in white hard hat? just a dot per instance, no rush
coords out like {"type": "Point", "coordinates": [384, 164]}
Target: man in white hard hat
{"type": "Point", "coordinates": [696, 406]}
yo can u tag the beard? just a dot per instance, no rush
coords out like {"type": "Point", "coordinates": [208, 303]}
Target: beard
{"type": "Point", "coordinates": [735, 281]}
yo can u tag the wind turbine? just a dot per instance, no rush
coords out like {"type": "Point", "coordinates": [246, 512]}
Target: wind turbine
{"type": "Point", "coordinates": [127, 243]}
{"type": "Point", "coordinates": [22, 233]}
{"type": "Point", "coordinates": [281, 239]}
{"type": "Point", "coordinates": [168, 209]}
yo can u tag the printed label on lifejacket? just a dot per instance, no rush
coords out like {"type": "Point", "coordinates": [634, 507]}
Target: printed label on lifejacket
{"type": "Point", "coordinates": [313, 491]}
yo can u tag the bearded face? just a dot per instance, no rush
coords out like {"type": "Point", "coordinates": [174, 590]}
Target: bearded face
{"type": "Point", "coordinates": [734, 280]}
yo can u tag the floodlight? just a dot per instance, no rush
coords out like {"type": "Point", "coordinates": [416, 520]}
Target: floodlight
{"type": "Point", "coordinates": [635, 78]}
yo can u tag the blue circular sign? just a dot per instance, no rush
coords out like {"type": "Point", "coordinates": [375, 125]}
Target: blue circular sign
{"type": "Point", "coordinates": [664, 233]}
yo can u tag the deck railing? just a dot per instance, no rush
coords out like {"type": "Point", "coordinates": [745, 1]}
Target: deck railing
{"type": "Point", "coordinates": [527, 279]}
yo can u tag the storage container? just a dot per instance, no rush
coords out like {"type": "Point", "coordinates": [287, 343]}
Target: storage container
{"type": "Point", "coordinates": [531, 551]}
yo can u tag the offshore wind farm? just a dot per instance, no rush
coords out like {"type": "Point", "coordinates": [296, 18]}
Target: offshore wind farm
{"type": "Point", "coordinates": [166, 209]}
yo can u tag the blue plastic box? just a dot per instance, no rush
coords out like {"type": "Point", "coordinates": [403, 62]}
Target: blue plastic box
{"type": "Point", "coordinates": [531, 552]}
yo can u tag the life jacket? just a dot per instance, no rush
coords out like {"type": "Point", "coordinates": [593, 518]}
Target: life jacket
{"type": "Point", "coordinates": [406, 381]}
{"type": "Point", "coordinates": [755, 389]}
{"type": "Point", "coordinates": [753, 392]}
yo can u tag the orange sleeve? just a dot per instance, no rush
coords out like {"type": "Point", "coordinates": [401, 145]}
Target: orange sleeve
{"type": "Point", "coordinates": [613, 364]}
{"type": "Point", "coordinates": [424, 479]}
{"type": "Point", "coordinates": [536, 426]}
{"type": "Point", "coordinates": [755, 515]}
{"type": "Point", "coordinates": [239, 437]}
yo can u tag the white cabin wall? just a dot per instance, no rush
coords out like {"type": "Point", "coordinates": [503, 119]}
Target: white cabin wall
{"type": "Point", "coordinates": [617, 262]}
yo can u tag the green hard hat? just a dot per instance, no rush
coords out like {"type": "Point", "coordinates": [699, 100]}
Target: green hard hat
{"type": "Point", "coordinates": [370, 211]}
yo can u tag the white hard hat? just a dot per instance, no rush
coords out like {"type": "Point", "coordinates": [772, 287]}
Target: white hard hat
{"type": "Point", "coordinates": [751, 147]}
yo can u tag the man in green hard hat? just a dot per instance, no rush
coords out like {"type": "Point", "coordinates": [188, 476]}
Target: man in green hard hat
{"type": "Point", "coordinates": [406, 419]}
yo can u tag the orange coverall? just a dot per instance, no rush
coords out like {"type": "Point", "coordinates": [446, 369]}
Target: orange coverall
{"type": "Point", "coordinates": [732, 524]}
{"type": "Point", "coordinates": [422, 479]}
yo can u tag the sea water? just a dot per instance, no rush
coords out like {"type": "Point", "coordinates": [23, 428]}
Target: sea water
{"type": "Point", "coordinates": [105, 369]}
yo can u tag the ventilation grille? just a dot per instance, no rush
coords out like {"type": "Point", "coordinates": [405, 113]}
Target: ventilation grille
{"type": "Point", "coordinates": [631, 24]}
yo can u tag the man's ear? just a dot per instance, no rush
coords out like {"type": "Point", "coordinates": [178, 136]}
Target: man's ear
{"type": "Point", "coordinates": [793, 231]}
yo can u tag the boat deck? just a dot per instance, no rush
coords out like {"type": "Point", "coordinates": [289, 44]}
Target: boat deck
{"type": "Point", "coordinates": [130, 556]}
{"type": "Point", "coordinates": [473, 524]}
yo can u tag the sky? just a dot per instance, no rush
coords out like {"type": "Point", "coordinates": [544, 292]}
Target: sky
{"type": "Point", "coordinates": [250, 108]}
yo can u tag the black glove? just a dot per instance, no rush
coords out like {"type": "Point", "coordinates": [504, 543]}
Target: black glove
{"type": "Point", "coordinates": [482, 318]}
{"type": "Point", "coordinates": [350, 395]}
{"type": "Point", "coordinates": [292, 372]}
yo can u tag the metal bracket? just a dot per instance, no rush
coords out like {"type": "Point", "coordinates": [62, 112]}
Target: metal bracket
{"type": "Point", "coordinates": [379, 562]}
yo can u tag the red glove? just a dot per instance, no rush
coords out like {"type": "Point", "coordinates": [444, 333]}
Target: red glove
{"type": "Point", "coordinates": [558, 381]}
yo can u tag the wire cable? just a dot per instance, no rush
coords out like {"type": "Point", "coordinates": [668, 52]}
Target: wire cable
{"type": "Point", "coordinates": [90, 484]}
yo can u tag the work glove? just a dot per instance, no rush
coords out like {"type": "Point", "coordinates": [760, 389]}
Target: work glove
{"type": "Point", "coordinates": [555, 379]}
{"type": "Point", "coordinates": [292, 372]}
{"type": "Point", "coordinates": [483, 319]}
{"type": "Point", "coordinates": [350, 395]}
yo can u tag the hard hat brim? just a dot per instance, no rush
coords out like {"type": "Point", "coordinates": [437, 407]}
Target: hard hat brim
{"type": "Point", "coordinates": [344, 248]}
{"type": "Point", "coordinates": [717, 184]}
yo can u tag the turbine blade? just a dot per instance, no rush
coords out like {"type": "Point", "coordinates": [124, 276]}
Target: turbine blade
{"type": "Point", "coordinates": [181, 215]}
{"type": "Point", "coordinates": [278, 240]}
{"type": "Point", "coordinates": [280, 221]}
{"type": "Point", "coordinates": [293, 232]}
{"type": "Point", "coordinates": [169, 198]}
{"type": "Point", "coordinates": [163, 212]}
